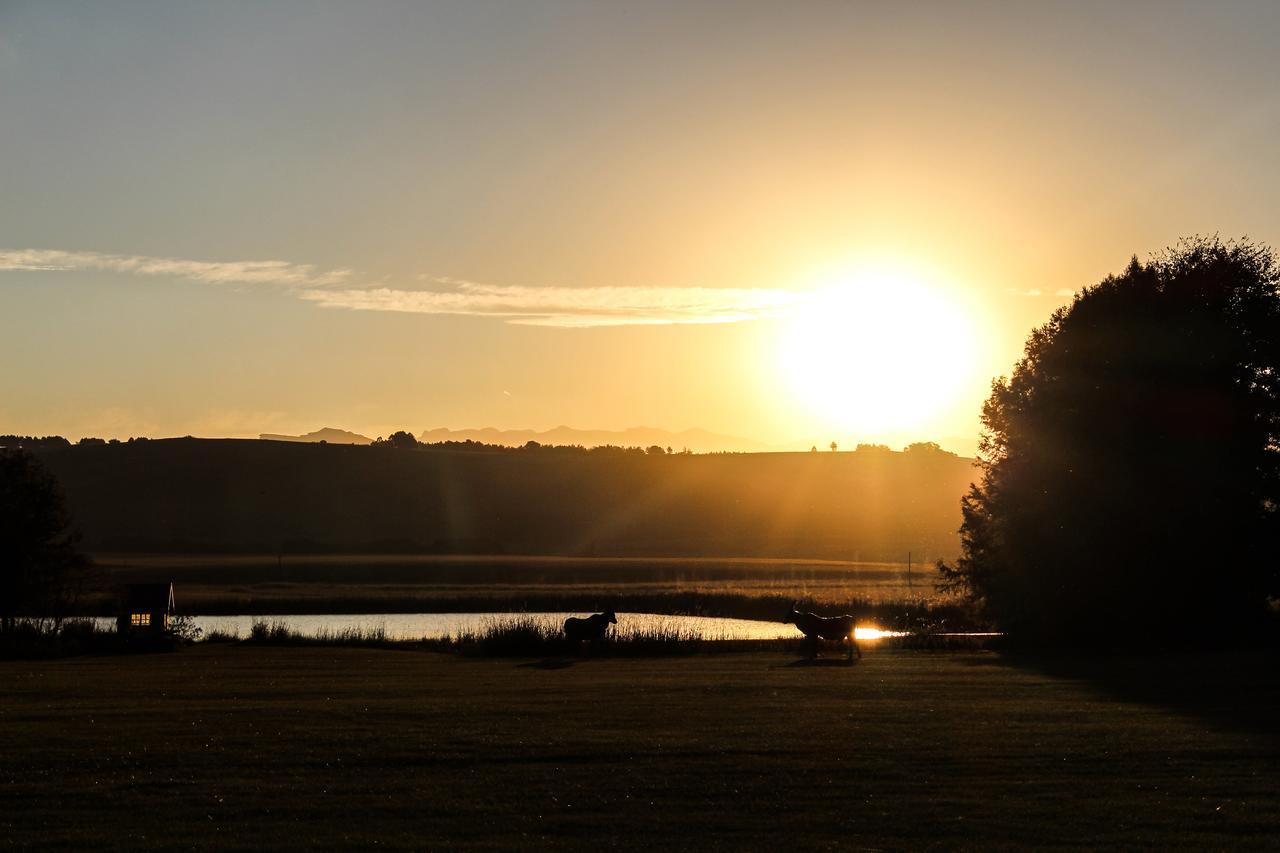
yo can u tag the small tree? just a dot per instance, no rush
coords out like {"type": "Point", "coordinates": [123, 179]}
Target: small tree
{"type": "Point", "coordinates": [1130, 476]}
{"type": "Point", "coordinates": [873, 448]}
{"type": "Point", "coordinates": [925, 448]}
{"type": "Point", "coordinates": [40, 568]}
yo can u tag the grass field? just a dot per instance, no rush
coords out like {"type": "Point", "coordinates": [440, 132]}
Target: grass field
{"type": "Point", "coordinates": [246, 747]}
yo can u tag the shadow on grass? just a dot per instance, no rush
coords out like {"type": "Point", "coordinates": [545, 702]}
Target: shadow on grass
{"type": "Point", "coordinates": [1234, 690]}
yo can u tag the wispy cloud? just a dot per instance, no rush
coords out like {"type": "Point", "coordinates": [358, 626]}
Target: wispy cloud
{"type": "Point", "coordinates": [569, 307]}
{"type": "Point", "coordinates": [215, 272]}
{"type": "Point", "coordinates": [565, 307]}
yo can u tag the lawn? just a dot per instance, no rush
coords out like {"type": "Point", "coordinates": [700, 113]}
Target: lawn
{"type": "Point", "coordinates": [243, 746]}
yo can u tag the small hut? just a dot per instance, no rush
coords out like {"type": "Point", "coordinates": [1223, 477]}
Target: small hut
{"type": "Point", "coordinates": [145, 608]}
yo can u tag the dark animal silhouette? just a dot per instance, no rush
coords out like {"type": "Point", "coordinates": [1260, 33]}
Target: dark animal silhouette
{"type": "Point", "coordinates": [835, 628]}
{"type": "Point", "coordinates": [591, 629]}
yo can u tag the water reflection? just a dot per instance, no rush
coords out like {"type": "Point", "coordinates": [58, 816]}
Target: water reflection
{"type": "Point", "coordinates": [875, 634]}
{"type": "Point", "coordinates": [416, 626]}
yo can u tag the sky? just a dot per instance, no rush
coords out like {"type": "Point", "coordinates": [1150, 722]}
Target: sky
{"type": "Point", "coordinates": [792, 222]}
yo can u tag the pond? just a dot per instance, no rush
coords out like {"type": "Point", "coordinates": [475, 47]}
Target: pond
{"type": "Point", "coordinates": [417, 626]}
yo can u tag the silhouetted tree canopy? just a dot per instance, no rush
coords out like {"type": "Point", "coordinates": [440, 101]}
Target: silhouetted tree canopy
{"type": "Point", "coordinates": [923, 448]}
{"type": "Point", "coordinates": [31, 442]}
{"type": "Point", "coordinates": [39, 564]}
{"type": "Point", "coordinates": [1129, 467]}
{"type": "Point", "coordinates": [401, 439]}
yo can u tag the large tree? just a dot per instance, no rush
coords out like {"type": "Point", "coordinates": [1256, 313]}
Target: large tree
{"type": "Point", "coordinates": [40, 568]}
{"type": "Point", "coordinates": [1129, 477]}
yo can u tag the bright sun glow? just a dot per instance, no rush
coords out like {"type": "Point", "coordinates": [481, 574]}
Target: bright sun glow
{"type": "Point", "coordinates": [878, 351]}
{"type": "Point", "coordinates": [875, 634]}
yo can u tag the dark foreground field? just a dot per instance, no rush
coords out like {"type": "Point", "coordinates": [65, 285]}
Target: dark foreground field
{"type": "Point", "coordinates": [252, 747]}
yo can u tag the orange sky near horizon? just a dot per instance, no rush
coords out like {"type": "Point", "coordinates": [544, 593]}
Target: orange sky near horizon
{"type": "Point", "coordinates": [795, 224]}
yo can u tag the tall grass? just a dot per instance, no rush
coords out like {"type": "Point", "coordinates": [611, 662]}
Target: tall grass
{"type": "Point", "coordinates": [280, 634]}
{"type": "Point", "coordinates": [221, 636]}
{"type": "Point", "coordinates": [528, 635]}
{"type": "Point", "coordinates": [50, 639]}
{"type": "Point", "coordinates": [522, 635]}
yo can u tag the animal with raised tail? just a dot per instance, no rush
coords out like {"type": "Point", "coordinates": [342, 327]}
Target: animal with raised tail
{"type": "Point", "coordinates": [591, 629]}
{"type": "Point", "coordinates": [833, 628]}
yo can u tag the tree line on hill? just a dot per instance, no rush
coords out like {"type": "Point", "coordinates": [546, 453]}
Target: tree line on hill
{"type": "Point", "coordinates": [249, 495]}
{"type": "Point", "coordinates": [405, 440]}
{"type": "Point", "coordinates": [52, 442]}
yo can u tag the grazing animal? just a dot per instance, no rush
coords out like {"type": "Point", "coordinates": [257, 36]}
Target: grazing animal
{"type": "Point", "coordinates": [835, 628]}
{"type": "Point", "coordinates": [590, 629]}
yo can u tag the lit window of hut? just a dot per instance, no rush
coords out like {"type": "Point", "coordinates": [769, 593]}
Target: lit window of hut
{"type": "Point", "coordinates": [145, 607]}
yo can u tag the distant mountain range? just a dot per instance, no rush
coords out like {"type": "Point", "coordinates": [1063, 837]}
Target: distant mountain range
{"type": "Point", "coordinates": [328, 435]}
{"type": "Point", "coordinates": [696, 440]}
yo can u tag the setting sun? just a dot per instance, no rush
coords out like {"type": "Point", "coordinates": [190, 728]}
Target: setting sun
{"type": "Point", "coordinates": [686, 424]}
{"type": "Point", "coordinates": [877, 351]}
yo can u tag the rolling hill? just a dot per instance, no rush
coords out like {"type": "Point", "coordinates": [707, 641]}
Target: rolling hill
{"type": "Point", "coordinates": [232, 495]}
